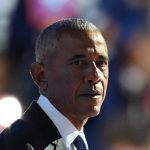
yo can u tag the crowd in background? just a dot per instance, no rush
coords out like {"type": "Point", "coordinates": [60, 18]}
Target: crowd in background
{"type": "Point", "coordinates": [126, 27]}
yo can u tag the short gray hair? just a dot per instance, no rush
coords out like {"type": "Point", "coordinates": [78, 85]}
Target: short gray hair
{"type": "Point", "coordinates": [48, 38]}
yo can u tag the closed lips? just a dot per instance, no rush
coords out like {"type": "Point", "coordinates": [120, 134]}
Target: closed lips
{"type": "Point", "coordinates": [92, 93]}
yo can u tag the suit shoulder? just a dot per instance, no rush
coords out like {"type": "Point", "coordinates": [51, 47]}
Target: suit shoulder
{"type": "Point", "coordinates": [16, 135]}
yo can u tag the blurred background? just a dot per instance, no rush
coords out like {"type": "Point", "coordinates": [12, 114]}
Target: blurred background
{"type": "Point", "coordinates": [125, 25]}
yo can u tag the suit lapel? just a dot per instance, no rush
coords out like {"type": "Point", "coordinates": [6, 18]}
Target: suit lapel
{"type": "Point", "coordinates": [44, 131]}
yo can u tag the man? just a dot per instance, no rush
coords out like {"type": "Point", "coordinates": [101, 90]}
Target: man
{"type": "Point", "coordinates": [71, 71]}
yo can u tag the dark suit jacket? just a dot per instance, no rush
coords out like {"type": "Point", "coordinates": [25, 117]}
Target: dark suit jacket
{"type": "Point", "coordinates": [34, 131]}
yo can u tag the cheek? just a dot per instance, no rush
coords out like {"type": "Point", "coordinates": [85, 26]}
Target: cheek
{"type": "Point", "coordinates": [105, 83]}
{"type": "Point", "coordinates": [106, 73]}
{"type": "Point", "coordinates": [68, 81]}
{"type": "Point", "coordinates": [106, 76]}
{"type": "Point", "coordinates": [72, 85]}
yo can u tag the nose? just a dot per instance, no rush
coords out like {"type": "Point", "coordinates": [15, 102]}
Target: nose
{"type": "Point", "coordinates": [93, 74]}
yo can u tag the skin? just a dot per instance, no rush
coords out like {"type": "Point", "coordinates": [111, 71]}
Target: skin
{"type": "Point", "coordinates": [75, 77]}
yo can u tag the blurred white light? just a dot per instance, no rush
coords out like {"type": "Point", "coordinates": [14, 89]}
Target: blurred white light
{"type": "Point", "coordinates": [10, 110]}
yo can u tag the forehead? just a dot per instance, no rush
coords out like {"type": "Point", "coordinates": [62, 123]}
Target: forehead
{"type": "Point", "coordinates": [82, 42]}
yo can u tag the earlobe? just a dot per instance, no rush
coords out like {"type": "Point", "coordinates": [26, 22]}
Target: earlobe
{"type": "Point", "coordinates": [38, 74]}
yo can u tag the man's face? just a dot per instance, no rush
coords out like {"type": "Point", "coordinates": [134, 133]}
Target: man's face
{"type": "Point", "coordinates": [78, 75]}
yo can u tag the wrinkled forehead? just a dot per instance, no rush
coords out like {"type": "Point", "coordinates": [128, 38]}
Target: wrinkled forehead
{"type": "Point", "coordinates": [89, 43]}
{"type": "Point", "coordinates": [75, 42]}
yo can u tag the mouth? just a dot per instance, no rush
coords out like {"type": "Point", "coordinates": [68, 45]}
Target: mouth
{"type": "Point", "coordinates": [92, 94]}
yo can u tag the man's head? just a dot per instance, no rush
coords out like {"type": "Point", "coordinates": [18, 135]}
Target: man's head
{"type": "Point", "coordinates": [71, 68]}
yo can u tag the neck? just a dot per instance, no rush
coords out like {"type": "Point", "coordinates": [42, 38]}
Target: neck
{"type": "Point", "coordinates": [78, 123]}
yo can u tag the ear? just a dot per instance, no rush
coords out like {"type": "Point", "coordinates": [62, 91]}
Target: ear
{"type": "Point", "coordinates": [38, 75]}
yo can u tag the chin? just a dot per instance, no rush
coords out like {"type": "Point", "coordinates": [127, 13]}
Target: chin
{"type": "Point", "coordinates": [94, 112]}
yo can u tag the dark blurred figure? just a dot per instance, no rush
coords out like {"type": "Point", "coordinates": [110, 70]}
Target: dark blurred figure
{"type": "Point", "coordinates": [21, 54]}
{"type": "Point", "coordinates": [128, 130]}
{"type": "Point", "coordinates": [4, 73]}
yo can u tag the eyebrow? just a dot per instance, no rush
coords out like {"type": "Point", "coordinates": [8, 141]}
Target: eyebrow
{"type": "Point", "coordinates": [105, 57]}
{"type": "Point", "coordinates": [79, 56]}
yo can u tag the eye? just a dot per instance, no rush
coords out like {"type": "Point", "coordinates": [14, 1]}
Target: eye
{"type": "Point", "coordinates": [77, 62]}
{"type": "Point", "coordinates": [101, 64]}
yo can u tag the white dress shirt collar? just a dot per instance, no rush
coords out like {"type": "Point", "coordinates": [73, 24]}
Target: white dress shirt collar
{"type": "Point", "coordinates": [67, 130]}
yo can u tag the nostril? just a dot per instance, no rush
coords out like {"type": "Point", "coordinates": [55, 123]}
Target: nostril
{"type": "Point", "coordinates": [94, 79]}
{"type": "Point", "coordinates": [90, 81]}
